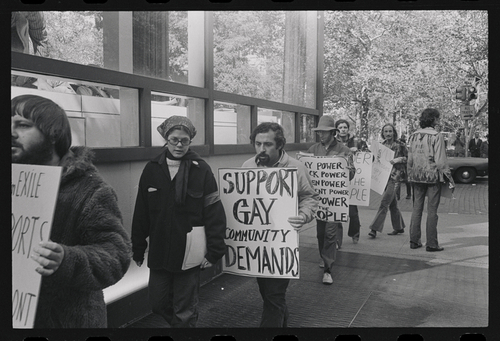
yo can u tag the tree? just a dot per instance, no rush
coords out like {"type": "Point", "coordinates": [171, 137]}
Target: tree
{"type": "Point", "coordinates": [403, 61]}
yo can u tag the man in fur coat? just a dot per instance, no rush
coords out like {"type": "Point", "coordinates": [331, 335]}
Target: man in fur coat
{"type": "Point", "coordinates": [88, 249]}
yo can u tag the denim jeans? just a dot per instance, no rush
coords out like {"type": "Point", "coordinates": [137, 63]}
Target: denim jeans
{"type": "Point", "coordinates": [388, 202]}
{"type": "Point", "coordinates": [275, 310]}
{"type": "Point", "coordinates": [174, 295]}
{"type": "Point", "coordinates": [433, 192]}
{"type": "Point", "coordinates": [326, 233]}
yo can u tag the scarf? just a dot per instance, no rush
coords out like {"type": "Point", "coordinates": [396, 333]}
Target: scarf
{"type": "Point", "coordinates": [182, 177]}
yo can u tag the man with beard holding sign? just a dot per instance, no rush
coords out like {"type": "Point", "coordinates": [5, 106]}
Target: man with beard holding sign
{"type": "Point", "coordinates": [88, 249]}
{"type": "Point", "coordinates": [269, 141]}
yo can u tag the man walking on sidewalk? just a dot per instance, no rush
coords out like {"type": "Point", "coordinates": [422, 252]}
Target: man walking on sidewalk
{"type": "Point", "coordinates": [427, 168]}
{"type": "Point", "coordinates": [268, 138]}
{"type": "Point", "coordinates": [329, 233]}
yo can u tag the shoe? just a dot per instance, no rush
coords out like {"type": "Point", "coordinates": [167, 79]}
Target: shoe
{"type": "Point", "coordinates": [321, 263]}
{"type": "Point", "coordinates": [355, 239]}
{"type": "Point", "coordinates": [373, 233]}
{"type": "Point", "coordinates": [434, 249]}
{"type": "Point", "coordinates": [415, 245]}
{"type": "Point", "coordinates": [327, 278]}
{"type": "Point", "coordinates": [395, 232]}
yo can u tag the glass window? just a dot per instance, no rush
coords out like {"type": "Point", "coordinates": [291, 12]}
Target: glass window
{"type": "Point", "coordinates": [267, 54]}
{"type": "Point", "coordinates": [231, 123]}
{"type": "Point", "coordinates": [100, 115]}
{"type": "Point", "coordinates": [284, 118]}
{"type": "Point", "coordinates": [306, 125]}
{"type": "Point", "coordinates": [151, 43]}
{"type": "Point", "coordinates": [164, 106]}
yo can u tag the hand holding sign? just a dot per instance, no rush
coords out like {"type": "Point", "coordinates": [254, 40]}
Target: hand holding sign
{"type": "Point", "coordinates": [50, 256]}
{"type": "Point", "coordinates": [297, 221]}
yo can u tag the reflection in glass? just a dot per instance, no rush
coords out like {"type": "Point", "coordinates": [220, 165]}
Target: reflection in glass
{"type": "Point", "coordinates": [284, 118]}
{"type": "Point", "coordinates": [231, 123]}
{"type": "Point", "coordinates": [306, 125]}
{"type": "Point", "coordinates": [152, 43]}
{"type": "Point", "coordinates": [267, 54]}
{"type": "Point", "coordinates": [100, 115]}
{"type": "Point", "coordinates": [164, 106]}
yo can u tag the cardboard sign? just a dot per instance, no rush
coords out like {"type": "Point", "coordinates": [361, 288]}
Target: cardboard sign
{"type": "Point", "coordinates": [258, 202]}
{"type": "Point", "coordinates": [359, 186]}
{"type": "Point", "coordinates": [381, 168]}
{"type": "Point", "coordinates": [330, 179]}
{"type": "Point", "coordinates": [34, 195]}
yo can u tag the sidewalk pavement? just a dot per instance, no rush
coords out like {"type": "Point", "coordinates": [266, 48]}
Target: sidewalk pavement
{"type": "Point", "coordinates": [378, 282]}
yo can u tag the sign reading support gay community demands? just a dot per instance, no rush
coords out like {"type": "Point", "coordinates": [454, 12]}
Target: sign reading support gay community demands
{"type": "Point", "coordinates": [258, 202]}
{"type": "Point", "coordinates": [381, 168]}
{"type": "Point", "coordinates": [330, 179]}
{"type": "Point", "coordinates": [34, 194]}
{"type": "Point", "coordinates": [359, 186]}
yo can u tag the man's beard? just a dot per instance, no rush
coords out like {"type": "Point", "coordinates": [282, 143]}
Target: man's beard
{"type": "Point", "coordinates": [262, 159]}
{"type": "Point", "coordinates": [39, 154]}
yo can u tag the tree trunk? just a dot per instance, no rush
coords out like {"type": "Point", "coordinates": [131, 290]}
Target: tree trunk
{"type": "Point", "coordinates": [365, 106]}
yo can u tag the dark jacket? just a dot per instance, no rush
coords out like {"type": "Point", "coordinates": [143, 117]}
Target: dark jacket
{"type": "Point", "coordinates": [353, 141]}
{"type": "Point", "coordinates": [398, 171]}
{"type": "Point", "coordinates": [475, 147]}
{"type": "Point", "coordinates": [88, 225]}
{"type": "Point", "coordinates": [166, 223]}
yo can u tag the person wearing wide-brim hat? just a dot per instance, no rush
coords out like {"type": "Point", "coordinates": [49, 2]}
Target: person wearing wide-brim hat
{"type": "Point", "coordinates": [177, 191]}
{"type": "Point", "coordinates": [329, 234]}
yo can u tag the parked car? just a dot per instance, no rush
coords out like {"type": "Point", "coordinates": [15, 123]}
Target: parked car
{"type": "Point", "coordinates": [465, 169]}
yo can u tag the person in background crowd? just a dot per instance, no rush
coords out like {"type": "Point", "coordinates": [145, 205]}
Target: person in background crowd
{"type": "Point", "coordinates": [268, 139]}
{"type": "Point", "coordinates": [27, 26]}
{"type": "Point", "coordinates": [88, 249]}
{"type": "Point", "coordinates": [459, 144]}
{"type": "Point", "coordinates": [354, 145]}
{"type": "Point", "coordinates": [402, 139]}
{"type": "Point", "coordinates": [475, 145]}
{"type": "Point", "coordinates": [484, 147]}
{"type": "Point", "coordinates": [329, 234]}
{"type": "Point", "coordinates": [398, 174]}
{"type": "Point", "coordinates": [177, 191]}
{"type": "Point", "coordinates": [427, 168]}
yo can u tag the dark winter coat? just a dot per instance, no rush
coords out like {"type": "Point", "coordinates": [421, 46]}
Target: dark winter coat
{"type": "Point", "coordinates": [88, 225]}
{"type": "Point", "coordinates": [166, 223]}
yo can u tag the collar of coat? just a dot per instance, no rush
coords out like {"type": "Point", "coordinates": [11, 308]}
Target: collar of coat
{"type": "Point", "coordinates": [76, 162]}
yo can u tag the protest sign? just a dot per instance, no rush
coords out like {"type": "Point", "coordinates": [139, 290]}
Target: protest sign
{"type": "Point", "coordinates": [34, 193]}
{"type": "Point", "coordinates": [258, 202]}
{"type": "Point", "coordinates": [381, 168]}
{"type": "Point", "coordinates": [359, 186]}
{"type": "Point", "coordinates": [330, 179]}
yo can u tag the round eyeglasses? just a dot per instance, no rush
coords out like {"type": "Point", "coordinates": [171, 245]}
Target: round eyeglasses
{"type": "Point", "coordinates": [174, 141]}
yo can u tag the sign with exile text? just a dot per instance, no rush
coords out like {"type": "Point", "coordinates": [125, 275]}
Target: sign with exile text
{"type": "Point", "coordinates": [381, 168]}
{"type": "Point", "coordinates": [34, 195]}
{"type": "Point", "coordinates": [258, 202]}
{"type": "Point", "coordinates": [330, 179]}
{"type": "Point", "coordinates": [359, 186]}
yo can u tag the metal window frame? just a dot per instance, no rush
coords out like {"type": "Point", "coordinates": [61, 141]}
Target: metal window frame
{"type": "Point", "coordinates": [146, 85]}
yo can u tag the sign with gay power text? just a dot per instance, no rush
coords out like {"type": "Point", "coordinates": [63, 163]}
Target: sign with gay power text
{"type": "Point", "coordinates": [260, 242]}
{"type": "Point", "coordinates": [34, 194]}
{"type": "Point", "coordinates": [330, 179]}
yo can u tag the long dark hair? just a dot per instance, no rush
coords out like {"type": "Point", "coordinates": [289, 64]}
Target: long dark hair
{"type": "Point", "coordinates": [47, 116]}
{"type": "Point", "coordinates": [395, 132]}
